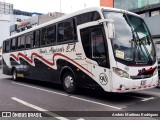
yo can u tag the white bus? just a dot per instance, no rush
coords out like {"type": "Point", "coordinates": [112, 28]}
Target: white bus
{"type": "Point", "coordinates": [95, 47]}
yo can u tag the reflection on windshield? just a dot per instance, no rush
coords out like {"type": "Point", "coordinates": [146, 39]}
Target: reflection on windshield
{"type": "Point", "coordinates": [132, 42]}
{"type": "Point", "coordinates": [144, 44]}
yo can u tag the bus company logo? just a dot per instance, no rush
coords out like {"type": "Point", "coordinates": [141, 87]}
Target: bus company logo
{"type": "Point", "coordinates": [103, 78]}
{"type": "Point", "coordinates": [71, 48]}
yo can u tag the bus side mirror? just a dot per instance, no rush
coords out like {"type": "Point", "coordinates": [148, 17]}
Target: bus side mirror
{"type": "Point", "coordinates": [111, 30]}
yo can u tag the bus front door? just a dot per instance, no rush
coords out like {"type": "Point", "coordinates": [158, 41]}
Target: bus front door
{"type": "Point", "coordinates": [99, 55]}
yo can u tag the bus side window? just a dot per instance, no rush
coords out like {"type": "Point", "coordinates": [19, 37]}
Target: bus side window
{"type": "Point", "coordinates": [29, 39]}
{"type": "Point", "coordinates": [60, 32]}
{"type": "Point", "coordinates": [44, 36]}
{"type": "Point", "coordinates": [22, 46]}
{"type": "Point", "coordinates": [86, 42]}
{"type": "Point", "coordinates": [4, 46]}
{"type": "Point", "coordinates": [48, 35]}
{"type": "Point", "coordinates": [36, 39]}
{"type": "Point", "coordinates": [88, 17]}
{"type": "Point", "coordinates": [13, 44]}
{"type": "Point", "coordinates": [19, 42]}
{"type": "Point", "coordinates": [7, 46]}
{"type": "Point", "coordinates": [66, 31]}
{"type": "Point", "coordinates": [51, 34]}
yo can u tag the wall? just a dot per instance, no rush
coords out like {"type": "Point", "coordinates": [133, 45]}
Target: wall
{"type": "Point", "coordinates": [134, 4]}
{"type": "Point", "coordinates": [153, 26]}
{"type": "Point", "coordinates": [107, 3]}
{"type": "Point", "coordinates": [49, 17]}
{"type": "Point", "coordinates": [4, 27]}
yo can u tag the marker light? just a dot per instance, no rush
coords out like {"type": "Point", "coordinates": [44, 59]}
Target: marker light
{"type": "Point", "coordinates": [121, 73]}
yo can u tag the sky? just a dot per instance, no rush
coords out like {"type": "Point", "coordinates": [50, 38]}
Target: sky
{"type": "Point", "coordinates": [45, 6]}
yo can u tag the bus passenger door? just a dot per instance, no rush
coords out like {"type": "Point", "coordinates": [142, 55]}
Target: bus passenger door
{"type": "Point", "coordinates": [95, 47]}
{"type": "Point", "coordinates": [99, 54]}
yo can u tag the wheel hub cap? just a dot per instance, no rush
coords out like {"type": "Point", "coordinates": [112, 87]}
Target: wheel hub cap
{"type": "Point", "coordinates": [68, 82]}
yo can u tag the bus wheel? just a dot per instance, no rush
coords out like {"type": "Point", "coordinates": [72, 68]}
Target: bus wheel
{"type": "Point", "coordinates": [69, 83]}
{"type": "Point", "coordinates": [14, 75]}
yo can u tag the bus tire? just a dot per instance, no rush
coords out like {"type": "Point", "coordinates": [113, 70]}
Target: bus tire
{"type": "Point", "coordinates": [14, 75]}
{"type": "Point", "coordinates": [69, 84]}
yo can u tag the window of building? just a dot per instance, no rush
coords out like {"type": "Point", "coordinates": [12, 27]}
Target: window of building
{"type": "Point", "coordinates": [143, 3]}
{"type": "Point", "coordinates": [66, 31]}
{"type": "Point", "coordinates": [155, 13]}
{"type": "Point", "coordinates": [151, 2]}
{"type": "Point", "coordinates": [132, 4]}
{"type": "Point", "coordinates": [122, 4]}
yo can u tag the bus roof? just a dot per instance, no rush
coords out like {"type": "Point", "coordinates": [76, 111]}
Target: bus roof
{"type": "Point", "coordinates": [66, 16]}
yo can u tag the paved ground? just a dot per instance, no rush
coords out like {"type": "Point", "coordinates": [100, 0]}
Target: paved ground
{"type": "Point", "coordinates": [29, 95]}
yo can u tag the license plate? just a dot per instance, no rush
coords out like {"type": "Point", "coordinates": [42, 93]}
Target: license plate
{"type": "Point", "coordinates": [143, 82]}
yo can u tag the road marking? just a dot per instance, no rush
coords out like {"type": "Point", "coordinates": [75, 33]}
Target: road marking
{"type": "Point", "coordinates": [95, 102]}
{"type": "Point", "coordinates": [98, 103]}
{"type": "Point", "coordinates": [146, 99]}
{"type": "Point", "coordinates": [38, 108]}
{"type": "Point", "coordinates": [143, 98]}
{"type": "Point", "coordinates": [40, 89]}
{"type": "Point", "coordinates": [81, 119]}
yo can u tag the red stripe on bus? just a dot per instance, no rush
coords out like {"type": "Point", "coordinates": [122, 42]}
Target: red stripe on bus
{"type": "Point", "coordinates": [50, 63]}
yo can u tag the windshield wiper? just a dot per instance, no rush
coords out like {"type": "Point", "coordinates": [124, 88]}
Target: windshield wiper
{"type": "Point", "coordinates": [137, 45]}
{"type": "Point", "coordinates": [146, 50]}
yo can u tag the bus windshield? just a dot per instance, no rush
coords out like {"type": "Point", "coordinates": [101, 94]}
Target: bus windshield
{"type": "Point", "coordinates": [132, 43]}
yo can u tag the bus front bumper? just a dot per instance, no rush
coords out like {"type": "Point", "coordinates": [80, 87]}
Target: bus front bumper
{"type": "Point", "coordinates": [121, 84]}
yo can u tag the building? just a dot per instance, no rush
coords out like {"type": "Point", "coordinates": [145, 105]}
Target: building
{"type": "Point", "coordinates": [50, 16]}
{"type": "Point", "coordinates": [33, 21]}
{"type": "Point", "coordinates": [9, 17]}
{"type": "Point", "coordinates": [5, 11]}
{"type": "Point", "coordinates": [6, 8]}
{"type": "Point", "coordinates": [149, 10]}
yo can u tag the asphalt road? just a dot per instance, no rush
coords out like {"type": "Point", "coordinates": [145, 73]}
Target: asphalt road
{"type": "Point", "coordinates": [29, 95]}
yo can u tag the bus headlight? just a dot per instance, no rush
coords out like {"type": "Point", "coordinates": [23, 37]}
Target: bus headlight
{"type": "Point", "coordinates": [155, 72]}
{"type": "Point", "coordinates": [121, 73]}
